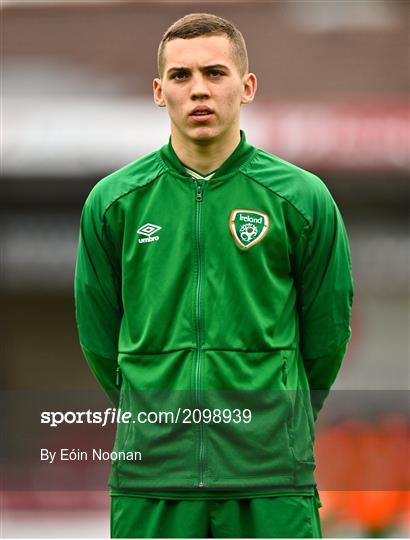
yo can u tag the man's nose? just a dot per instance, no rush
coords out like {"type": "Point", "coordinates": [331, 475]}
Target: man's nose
{"type": "Point", "coordinates": [199, 88]}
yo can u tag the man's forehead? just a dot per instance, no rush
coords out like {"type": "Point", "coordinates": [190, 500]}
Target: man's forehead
{"type": "Point", "coordinates": [199, 51]}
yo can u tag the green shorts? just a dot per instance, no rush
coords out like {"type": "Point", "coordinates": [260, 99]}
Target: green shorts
{"type": "Point", "coordinates": [272, 517]}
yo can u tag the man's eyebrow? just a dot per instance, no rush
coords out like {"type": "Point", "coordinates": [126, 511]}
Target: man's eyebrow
{"type": "Point", "coordinates": [203, 68]}
{"type": "Point", "coordinates": [176, 68]}
{"type": "Point", "coordinates": [215, 66]}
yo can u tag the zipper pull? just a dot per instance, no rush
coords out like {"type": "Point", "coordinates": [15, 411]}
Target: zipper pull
{"type": "Point", "coordinates": [198, 191]}
{"type": "Point", "coordinates": [117, 380]}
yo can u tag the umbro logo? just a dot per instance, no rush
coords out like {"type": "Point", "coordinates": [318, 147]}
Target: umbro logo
{"type": "Point", "coordinates": [148, 230]}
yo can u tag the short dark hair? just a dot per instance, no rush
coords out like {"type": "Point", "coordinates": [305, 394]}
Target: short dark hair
{"type": "Point", "coordinates": [205, 24]}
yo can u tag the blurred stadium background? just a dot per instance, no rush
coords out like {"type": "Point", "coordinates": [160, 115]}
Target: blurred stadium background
{"type": "Point", "coordinates": [333, 97]}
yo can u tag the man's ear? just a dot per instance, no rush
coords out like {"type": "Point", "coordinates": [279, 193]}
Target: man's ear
{"type": "Point", "coordinates": [250, 84]}
{"type": "Point", "coordinates": [158, 96]}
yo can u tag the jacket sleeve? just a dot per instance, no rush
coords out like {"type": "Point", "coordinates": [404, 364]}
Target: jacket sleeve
{"type": "Point", "coordinates": [325, 291]}
{"type": "Point", "coordinates": [321, 374]}
{"type": "Point", "coordinates": [97, 295]}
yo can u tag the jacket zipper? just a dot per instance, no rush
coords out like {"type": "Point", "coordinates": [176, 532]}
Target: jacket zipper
{"type": "Point", "coordinates": [284, 373]}
{"type": "Point", "coordinates": [288, 398]}
{"type": "Point", "coordinates": [198, 198]}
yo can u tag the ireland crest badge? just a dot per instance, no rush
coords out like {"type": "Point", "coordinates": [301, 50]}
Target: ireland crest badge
{"type": "Point", "coordinates": [248, 227]}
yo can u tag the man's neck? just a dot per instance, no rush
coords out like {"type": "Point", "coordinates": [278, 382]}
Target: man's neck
{"type": "Point", "coordinates": [204, 157]}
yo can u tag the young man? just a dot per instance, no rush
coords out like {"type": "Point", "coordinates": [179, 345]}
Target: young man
{"type": "Point", "coordinates": [213, 284]}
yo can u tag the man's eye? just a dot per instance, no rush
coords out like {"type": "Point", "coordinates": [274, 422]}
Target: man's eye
{"type": "Point", "coordinates": [216, 73]}
{"type": "Point", "coordinates": [180, 75]}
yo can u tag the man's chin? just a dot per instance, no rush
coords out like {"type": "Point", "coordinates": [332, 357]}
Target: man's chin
{"type": "Point", "coordinates": [203, 134]}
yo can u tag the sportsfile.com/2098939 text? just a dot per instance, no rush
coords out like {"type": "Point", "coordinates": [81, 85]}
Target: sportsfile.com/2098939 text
{"type": "Point", "coordinates": [118, 416]}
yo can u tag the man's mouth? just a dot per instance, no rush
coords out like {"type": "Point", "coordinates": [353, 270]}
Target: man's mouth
{"type": "Point", "coordinates": [202, 113]}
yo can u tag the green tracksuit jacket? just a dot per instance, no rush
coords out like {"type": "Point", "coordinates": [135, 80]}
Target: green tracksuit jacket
{"type": "Point", "coordinates": [230, 295]}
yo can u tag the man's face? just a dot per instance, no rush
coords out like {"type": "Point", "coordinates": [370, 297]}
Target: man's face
{"type": "Point", "coordinates": [202, 87]}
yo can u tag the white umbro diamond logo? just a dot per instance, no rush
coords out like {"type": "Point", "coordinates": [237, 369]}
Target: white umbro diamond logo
{"type": "Point", "coordinates": [148, 230]}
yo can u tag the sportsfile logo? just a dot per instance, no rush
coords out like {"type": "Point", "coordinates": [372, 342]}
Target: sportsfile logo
{"type": "Point", "coordinates": [248, 227]}
{"type": "Point", "coordinates": [147, 231]}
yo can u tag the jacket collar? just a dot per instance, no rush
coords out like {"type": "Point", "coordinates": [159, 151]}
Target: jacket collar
{"type": "Point", "coordinates": [239, 156]}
